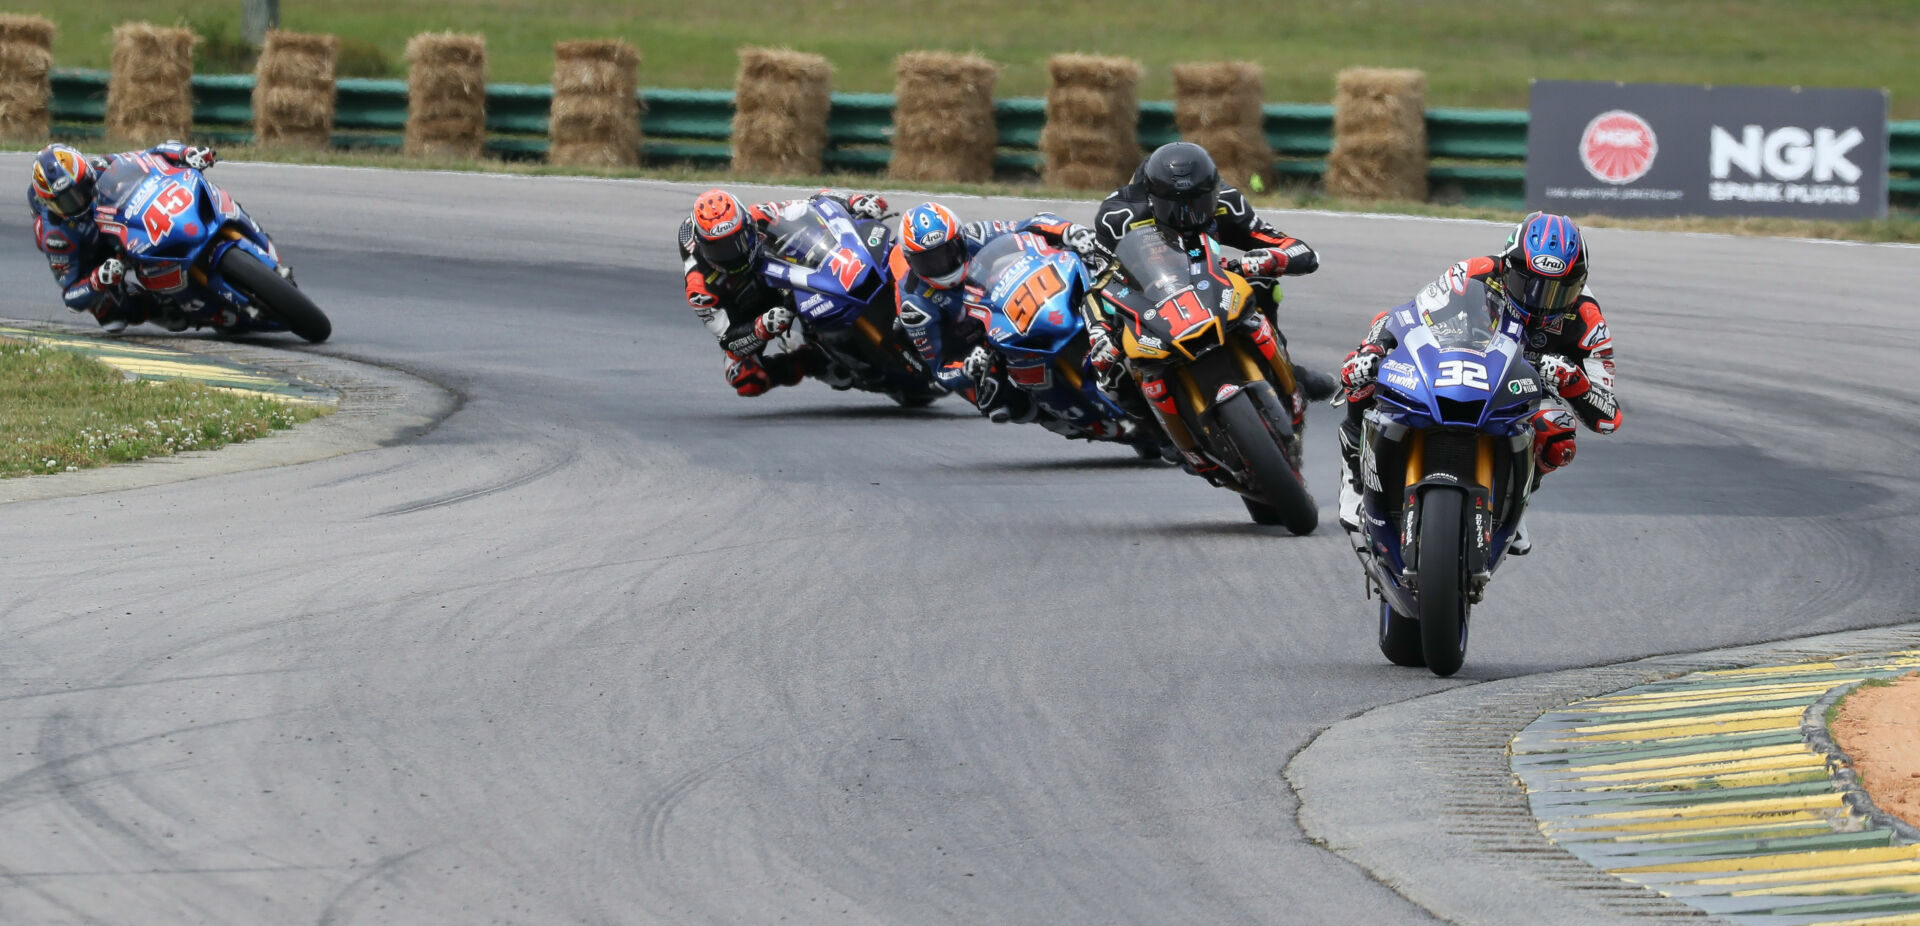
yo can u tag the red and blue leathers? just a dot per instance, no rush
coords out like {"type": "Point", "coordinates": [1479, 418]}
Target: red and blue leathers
{"type": "Point", "coordinates": [74, 247]}
{"type": "Point", "coordinates": [936, 319]}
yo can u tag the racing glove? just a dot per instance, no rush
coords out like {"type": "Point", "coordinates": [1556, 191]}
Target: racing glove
{"type": "Point", "coordinates": [1563, 376]}
{"type": "Point", "coordinates": [986, 387]}
{"type": "Point", "coordinates": [867, 205]}
{"type": "Point", "coordinates": [1103, 357]}
{"type": "Point", "coordinates": [1358, 373]}
{"type": "Point", "coordinates": [198, 157]}
{"type": "Point", "coordinates": [109, 274]}
{"type": "Point", "coordinates": [1259, 264]}
{"type": "Point", "coordinates": [1553, 438]}
{"type": "Point", "coordinates": [1085, 242]}
{"type": "Point", "coordinates": [747, 376]}
{"type": "Point", "coordinates": [773, 323]}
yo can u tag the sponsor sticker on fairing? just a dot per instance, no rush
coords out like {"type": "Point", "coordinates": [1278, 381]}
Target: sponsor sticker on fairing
{"type": "Point", "coordinates": [1523, 387]}
{"type": "Point", "coordinates": [1401, 381]}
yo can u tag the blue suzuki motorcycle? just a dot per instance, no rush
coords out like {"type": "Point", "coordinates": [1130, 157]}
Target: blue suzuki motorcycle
{"type": "Point", "coordinates": [837, 269]}
{"type": "Point", "coordinates": [1447, 462]}
{"type": "Point", "coordinates": [190, 246]}
{"type": "Point", "coordinates": [1028, 293]}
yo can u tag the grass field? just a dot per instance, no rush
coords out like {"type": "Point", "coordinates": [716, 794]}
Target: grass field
{"type": "Point", "coordinates": [1476, 53]}
{"type": "Point", "coordinates": [64, 411]}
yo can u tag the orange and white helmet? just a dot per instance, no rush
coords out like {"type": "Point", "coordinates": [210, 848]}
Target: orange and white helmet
{"type": "Point", "coordinates": [724, 234]}
{"type": "Point", "coordinates": [930, 236]}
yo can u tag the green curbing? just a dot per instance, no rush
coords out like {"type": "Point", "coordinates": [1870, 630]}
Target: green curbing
{"type": "Point", "coordinates": [142, 361]}
{"type": "Point", "coordinates": [1705, 789]}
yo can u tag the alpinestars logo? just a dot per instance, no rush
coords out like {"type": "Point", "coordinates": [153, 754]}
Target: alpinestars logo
{"type": "Point", "coordinates": [1618, 147]}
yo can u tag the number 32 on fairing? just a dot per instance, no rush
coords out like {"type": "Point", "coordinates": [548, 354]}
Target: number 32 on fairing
{"type": "Point", "coordinates": [1462, 373]}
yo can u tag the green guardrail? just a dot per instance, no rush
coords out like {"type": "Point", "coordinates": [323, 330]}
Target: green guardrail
{"type": "Point", "coordinates": [1478, 155]}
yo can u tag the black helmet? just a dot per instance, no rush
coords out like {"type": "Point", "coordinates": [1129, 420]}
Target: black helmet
{"type": "Point", "coordinates": [1183, 186]}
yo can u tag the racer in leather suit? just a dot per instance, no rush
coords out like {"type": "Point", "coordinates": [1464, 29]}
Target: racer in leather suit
{"type": "Point", "coordinates": [85, 262]}
{"type": "Point", "coordinates": [719, 249]}
{"type": "Point", "coordinates": [1543, 270]}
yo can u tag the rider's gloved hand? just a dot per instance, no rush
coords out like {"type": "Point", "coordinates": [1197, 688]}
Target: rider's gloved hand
{"type": "Point", "coordinates": [108, 274]}
{"type": "Point", "coordinates": [773, 323]}
{"type": "Point", "coordinates": [1259, 264]}
{"type": "Point", "coordinates": [1103, 357]}
{"type": "Point", "coordinates": [198, 157]}
{"type": "Point", "coordinates": [867, 205]}
{"type": "Point", "coordinates": [1085, 242]}
{"type": "Point", "coordinates": [1563, 376]}
{"type": "Point", "coordinates": [1553, 433]}
{"type": "Point", "coordinates": [1358, 372]}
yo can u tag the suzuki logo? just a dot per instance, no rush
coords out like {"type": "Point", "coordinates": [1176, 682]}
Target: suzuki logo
{"type": "Point", "coordinates": [1786, 154]}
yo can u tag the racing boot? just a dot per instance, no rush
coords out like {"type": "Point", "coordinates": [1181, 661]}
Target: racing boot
{"type": "Point", "coordinates": [1350, 488]}
{"type": "Point", "coordinates": [1521, 544]}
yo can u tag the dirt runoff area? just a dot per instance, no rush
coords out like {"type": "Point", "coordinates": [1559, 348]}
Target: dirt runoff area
{"type": "Point", "coordinates": [1879, 727]}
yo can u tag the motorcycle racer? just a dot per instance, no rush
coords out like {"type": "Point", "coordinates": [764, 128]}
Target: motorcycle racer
{"type": "Point", "coordinates": [1178, 189]}
{"type": "Point", "coordinates": [931, 265]}
{"type": "Point", "coordinates": [720, 244]}
{"type": "Point", "coordinates": [87, 263]}
{"type": "Point", "coordinates": [1543, 272]}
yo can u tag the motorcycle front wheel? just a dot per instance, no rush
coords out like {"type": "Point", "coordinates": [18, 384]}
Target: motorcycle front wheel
{"type": "Point", "coordinates": [1441, 584]}
{"type": "Point", "coordinates": [1285, 499]}
{"type": "Point", "coordinates": [275, 296]}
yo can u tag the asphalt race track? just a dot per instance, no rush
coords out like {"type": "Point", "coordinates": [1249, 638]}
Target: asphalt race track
{"type": "Point", "coordinates": [613, 645]}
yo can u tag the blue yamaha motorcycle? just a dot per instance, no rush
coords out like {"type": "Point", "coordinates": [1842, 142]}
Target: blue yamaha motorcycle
{"type": "Point", "coordinates": [1447, 462]}
{"type": "Point", "coordinates": [1030, 293]}
{"type": "Point", "coordinates": [837, 269]}
{"type": "Point", "coordinates": [191, 247]}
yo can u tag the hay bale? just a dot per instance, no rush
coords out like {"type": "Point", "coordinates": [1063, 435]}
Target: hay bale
{"type": "Point", "coordinates": [943, 127]}
{"type": "Point", "coordinates": [293, 90]}
{"type": "Point", "coordinates": [26, 60]}
{"type": "Point", "coordinates": [781, 99]}
{"type": "Point", "coordinates": [150, 95]}
{"type": "Point", "coordinates": [1379, 135]}
{"type": "Point", "coordinates": [1217, 106]}
{"type": "Point", "coordinates": [446, 95]}
{"type": "Point", "coordinates": [596, 108]}
{"type": "Point", "coordinates": [1091, 140]}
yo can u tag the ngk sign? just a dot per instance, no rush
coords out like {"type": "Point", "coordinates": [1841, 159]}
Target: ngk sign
{"type": "Point", "coordinates": [1675, 149]}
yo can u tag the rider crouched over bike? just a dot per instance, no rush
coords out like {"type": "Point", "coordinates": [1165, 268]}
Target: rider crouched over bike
{"type": "Point", "coordinates": [1543, 272]}
{"type": "Point", "coordinates": [1178, 187]}
{"type": "Point", "coordinates": [720, 247]}
{"type": "Point", "coordinates": [931, 267]}
{"type": "Point", "coordinates": [87, 263]}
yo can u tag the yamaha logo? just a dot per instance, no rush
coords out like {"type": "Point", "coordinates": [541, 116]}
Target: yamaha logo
{"type": "Point", "coordinates": [1548, 264]}
{"type": "Point", "coordinates": [1618, 147]}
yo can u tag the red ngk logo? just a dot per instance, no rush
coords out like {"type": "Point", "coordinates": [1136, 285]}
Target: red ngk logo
{"type": "Point", "coordinates": [1618, 147]}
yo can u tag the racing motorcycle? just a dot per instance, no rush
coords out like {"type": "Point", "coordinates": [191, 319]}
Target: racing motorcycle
{"type": "Point", "coordinates": [1209, 366]}
{"type": "Point", "coordinates": [1027, 294]}
{"type": "Point", "coordinates": [1447, 463]}
{"type": "Point", "coordinates": [843, 292]}
{"type": "Point", "coordinates": [202, 258]}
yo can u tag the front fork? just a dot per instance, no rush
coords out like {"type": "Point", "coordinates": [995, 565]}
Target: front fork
{"type": "Point", "coordinates": [1483, 510]}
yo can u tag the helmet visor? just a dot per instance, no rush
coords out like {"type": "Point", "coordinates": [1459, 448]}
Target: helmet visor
{"type": "Point", "coordinates": [731, 254]}
{"type": "Point", "coordinates": [941, 265]}
{"type": "Point", "coordinates": [1187, 212]}
{"type": "Point", "coordinates": [1541, 294]}
{"type": "Point", "coordinates": [70, 202]}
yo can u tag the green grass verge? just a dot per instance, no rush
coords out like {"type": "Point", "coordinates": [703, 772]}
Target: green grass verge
{"type": "Point", "coordinates": [1833, 710]}
{"type": "Point", "coordinates": [62, 411]}
{"type": "Point", "coordinates": [1474, 52]}
{"type": "Point", "coordinates": [1901, 226]}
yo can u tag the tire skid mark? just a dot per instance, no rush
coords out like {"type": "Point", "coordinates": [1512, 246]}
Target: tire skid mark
{"type": "Point", "coordinates": [341, 905]}
{"type": "Point", "coordinates": [659, 808]}
{"type": "Point", "coordinates": [444, 500]}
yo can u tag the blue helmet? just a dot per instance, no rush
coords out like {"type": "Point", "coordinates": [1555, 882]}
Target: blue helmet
{"type": "Point", "coordinates": [1544, 267]}
{"type": "Point", "coordinates": [63, 181]}
{"type": "Point", "coordinates": [931, 237]}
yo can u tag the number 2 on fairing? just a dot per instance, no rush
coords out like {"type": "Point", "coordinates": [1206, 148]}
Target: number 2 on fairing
{"type": "Point", "coordinates": [1462, 373]}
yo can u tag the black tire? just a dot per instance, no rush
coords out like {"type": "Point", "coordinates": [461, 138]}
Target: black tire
{"type": "Point", "coordinates": [1259, 446]}
{"type": "Point", "coordinates": [1400, 638]}
{"type": "Point", "coordinates": [1262, 513]}
{"type": "Point", "coordinates": [1441, 585]}
{"type": "Point", "coordinates": [276, 297]}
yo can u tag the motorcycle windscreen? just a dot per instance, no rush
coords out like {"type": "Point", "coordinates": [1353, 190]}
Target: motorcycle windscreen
{"type": "Point", "coordinates": [1160, 268]}
{"type": "Point", "coordinates": [816, 259]}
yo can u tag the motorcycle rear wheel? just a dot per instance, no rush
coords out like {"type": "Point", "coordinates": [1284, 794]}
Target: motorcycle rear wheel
{"type": "Point", "coordinates": [1441, 585]}
{"type": "Point", "coordinates": [1253, 437]}
{"type": "Point", "coordinates": [275, 296]}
